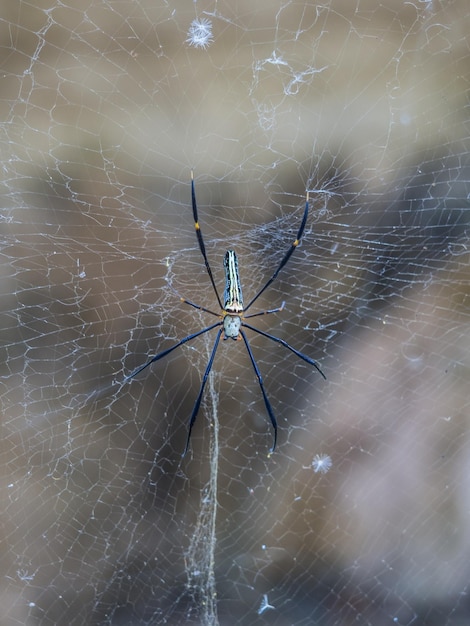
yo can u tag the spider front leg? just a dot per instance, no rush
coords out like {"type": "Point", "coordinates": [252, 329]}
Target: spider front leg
{"type": "Point", "coordinates": [200, 239]}
{"type": "Point", "coordinates": [287, 256]}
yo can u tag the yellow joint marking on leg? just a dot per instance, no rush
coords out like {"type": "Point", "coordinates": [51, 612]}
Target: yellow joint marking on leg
{"type": "Point", "coordinates": [296, 243]}
{"type": "Point", "coordinates": [196, 225]}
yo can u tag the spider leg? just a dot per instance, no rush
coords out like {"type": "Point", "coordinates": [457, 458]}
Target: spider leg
{"type": "Point", "coordinates": [278, 310]}
{"type": "Point", "coordinates": [201, 390]}
{"type": "Point", "coordinates": [260, 381]}
{"type": "Point", "coordinates": [306, 358]}
{"type": "Point", "coordinates": [287, 255]}
{"type": "Point", "coordinates": [200, 240]}
{"type": "Point", "coordinates": [160, 355]}
{"type": "Point", "coordinates": [201, 308]}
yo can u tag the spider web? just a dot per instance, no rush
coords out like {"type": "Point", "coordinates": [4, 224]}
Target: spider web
{"type": "Point", "coordinates": [361, 515]}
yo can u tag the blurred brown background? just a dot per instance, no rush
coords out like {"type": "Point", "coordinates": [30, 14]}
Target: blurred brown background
{"type": "Point", "coordinates": [105, 108]}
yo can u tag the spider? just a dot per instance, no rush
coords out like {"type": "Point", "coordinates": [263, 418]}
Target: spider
{"type": "Point", "coordinates": [232, 318]}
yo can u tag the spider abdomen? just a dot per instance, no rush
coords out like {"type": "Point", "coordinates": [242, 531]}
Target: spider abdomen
{"type": "Point", "coordinates": [233, 298]}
